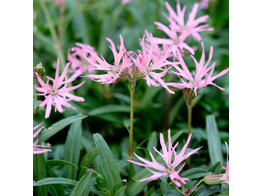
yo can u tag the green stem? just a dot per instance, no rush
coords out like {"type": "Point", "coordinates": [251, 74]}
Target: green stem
{"type": "Point", "coordinates": [189, 121]}
{"type": "Point", "coordinates": [131, 130]}
{"type": "Point", "coordinates": [57, 46]}
{"type": "Point", "coordinates": [130, 151]}
{"type": "Point", "coordinates": [53, 34]}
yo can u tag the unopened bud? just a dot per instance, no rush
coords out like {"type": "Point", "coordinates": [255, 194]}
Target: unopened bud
{"type": "Point", "coordinates": [140, 75]}
{"type": "Point", "coordinates": [214, 179]}
{"type": "Point", "coordinates": [40, 70]}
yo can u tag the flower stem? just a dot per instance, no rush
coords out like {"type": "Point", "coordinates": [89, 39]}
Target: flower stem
{"type": "Point", "coordinates": [189, 121]}
{"type": "Point", "coordinates": [131, 129]}
{"type": "Point", "coordinates": [130, 151]}
{"type": "Point", "coordinates": [53, 34]}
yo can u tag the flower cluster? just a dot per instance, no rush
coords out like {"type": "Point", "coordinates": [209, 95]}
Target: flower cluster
{"type": "Point", "coordinates": [81, 65]}
{"type": "Point", "coordinates": [170, 169]}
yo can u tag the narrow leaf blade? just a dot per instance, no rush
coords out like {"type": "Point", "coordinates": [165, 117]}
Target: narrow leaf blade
{"type": "Point", "coordinates": [82, 188]}
{"type": "Point", "coordinates": [58, 126]}
{"type": "Point", "coordinates": [72, 149]}
{"type": "Point", "coordinates": [213, 140]}
{"type": "Point", "coordinates": [108, 164]}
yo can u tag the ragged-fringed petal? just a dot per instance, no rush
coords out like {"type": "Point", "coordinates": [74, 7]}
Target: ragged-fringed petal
{"type": "Point", "coordinates": [155, 176]}
{"type": "Point", "coordinates": [48, 107]}
{"type": "Point", "coordinates": [153, 164]}
{"type": "Point", "coordinates": [167, 31]}
{"type": "Point", "coordinates": [38, 126]}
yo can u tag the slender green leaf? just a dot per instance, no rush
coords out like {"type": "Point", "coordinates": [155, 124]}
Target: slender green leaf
{"type": "Point", "coordinates": [146, 152]}
{"type": "Point", "coordinates": [195, 173]}
{"type": "Point", "coordinates": [53, 180]}
{"type": "Point", "coordinates": [216, 169]}
{"type": "Point", "coordinates": [107, 163]}
{"type": "Point", "coordinates": [54, 189]}
{"type": "Point", "coordinates": [206, 190]}
{"type": "Point", "coordinates": [39, 172]}
{"type": "Point", "coordinates": [165, 187]}
{"type": "Point", "coordinates": [61, 163]}
{"type": "Point", "coordinates": [150, 191]}
{"type": "Point", "coordinates": [102, 186]}
{"type": "Point", "coordinates": [36, 103]}
{"type": "Point", "coordinates": [226, 193]}
{"type": "Point", "coordinates": [121, 191]}
{"type": "Point", "coordinates": [213, 140]}
{"type": "Point", "coordinates": [109, 109]}
{"type": "Point", "coordinates": [173, 192]}
{"type": "Point", "coordinates": [80, 25]}
{"type": "Point", "coordinates": [82, 188]}
{"type": "Point", "coordinates": [152, 143]}
{"type": "Point", "coordinates": [87, 160]}
{"type": "Point", "coordinates": [175, 110]}
{"type": "Point", "coordinates": [72, 149]}
{"type": "Point", "coordinates": [148, 95]}
{"type": "Point", "coordinates": [86, 142]}
{"type": "Point", "coordinates": [224, 187]}
{"type": "Point", "coordinates": [58, 126]}
{"type": "Point", "coordinates": [104, 193]}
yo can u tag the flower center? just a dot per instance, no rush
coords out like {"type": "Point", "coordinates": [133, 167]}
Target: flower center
{"type": "Point", "coordinates": [169, 169]}
{"type": "Point", "coordinates": [192, 83]}
{"type": "Point", "coordinates": [53, 92]}
{"type": "Point", "coordinates": [184, 28]}
{"type": "Point", "coordinates": [115, 70]}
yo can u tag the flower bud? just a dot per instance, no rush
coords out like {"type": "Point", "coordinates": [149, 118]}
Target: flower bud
{"type": "Point", "coordinates": [140, 75]}
{"type": "Point", "coordinates": [214, 179]}
{"type": "Point", "coordinates": [40, 70]}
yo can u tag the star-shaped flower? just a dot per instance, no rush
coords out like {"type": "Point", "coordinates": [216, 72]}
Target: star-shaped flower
{"type": "Point", "coordinates": [170, 169]}
{"type": "Point", "coordinates": [57, 94]}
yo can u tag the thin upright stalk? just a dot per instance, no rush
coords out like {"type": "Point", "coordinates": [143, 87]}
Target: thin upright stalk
{"type": "Point", "coordinates": [189, 121]}
{"type": "Point", "coordinates": [53, 34]}
{"type": "Point", "coordinates": [131, 131]}
{"type": "Point", "coordinates": [188, 99]}
{"type": "Point", "coordinates": [130, 150]}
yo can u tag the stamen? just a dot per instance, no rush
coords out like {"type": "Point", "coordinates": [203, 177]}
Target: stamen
{"type": "Point", "coordinates": [115, 70]}
{"type": "Point", "coordinates": [53, 92]}
{"type": "Point", "coordinates": [169, 169]}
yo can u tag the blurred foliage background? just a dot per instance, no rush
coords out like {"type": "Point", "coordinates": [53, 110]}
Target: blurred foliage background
{"type": "Point", "coordinates": [91, 22]}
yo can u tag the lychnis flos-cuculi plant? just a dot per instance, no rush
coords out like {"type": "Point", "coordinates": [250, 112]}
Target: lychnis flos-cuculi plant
{"type": "Point", "coordinates": [169, 171]}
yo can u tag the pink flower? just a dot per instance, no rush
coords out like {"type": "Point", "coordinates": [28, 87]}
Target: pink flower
{"type": "Point", "coordinates": [113, 71]}
{"type": "Point", "coordinates": [126, 1]}
{"type": "Point", "coordinates": [55, 94]}
{"type": "Point", "coordinates": [204, 4]}
{"type": "Point", "coordinates": [170, 169]}
{"type": "Point", "coordinates": [157, 52]}
{"type": "Point", "coordinates": [151, 60]}
{"type": "Point", "coordinates": [81, 65]}
{"type": "Point", "coordinates": [38, 149]}
{"type": "Point", "coordinates": [178, 31]}
{"type": "Point", "coordinates": [177, 23]}
{"type": "Point", "coordinates": [197, 81]}
{"type": "Point", "coordinates": [177, 41]}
